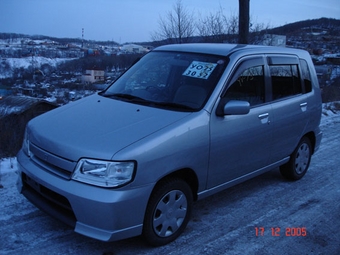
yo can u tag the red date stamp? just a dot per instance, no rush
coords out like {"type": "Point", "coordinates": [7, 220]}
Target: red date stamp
{"type": "Point", "coordinates": [276, 231]}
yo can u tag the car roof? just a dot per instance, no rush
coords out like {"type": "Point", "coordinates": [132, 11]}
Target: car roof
{"type": "Point", "coordinates": [224, 49]}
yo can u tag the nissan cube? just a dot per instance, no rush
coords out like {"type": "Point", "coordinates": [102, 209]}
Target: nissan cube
{"type": "Point", "coordinates": [184, 122]}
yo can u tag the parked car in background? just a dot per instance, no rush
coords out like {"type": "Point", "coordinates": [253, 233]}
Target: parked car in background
{"type": "Point", "coordinates": [184, 122]}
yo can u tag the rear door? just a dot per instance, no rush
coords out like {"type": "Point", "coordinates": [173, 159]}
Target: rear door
{"type": "Point", "coordinates": [241, 144]}
{"type": "Point", "coordinates": [289, 105]}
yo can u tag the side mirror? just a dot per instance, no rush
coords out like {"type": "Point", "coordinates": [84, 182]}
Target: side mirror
{"type": "Point", "coordinates": [233, 107]}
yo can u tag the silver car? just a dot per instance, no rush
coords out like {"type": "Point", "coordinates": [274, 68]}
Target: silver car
{"type": "Point", "coordinates": [184, 122]}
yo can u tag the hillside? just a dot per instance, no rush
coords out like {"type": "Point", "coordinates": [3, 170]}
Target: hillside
{"type": "Point", "coordinates": [13, 37]}
{"type": "Point", "coordinates": [331, 26]}
{"type": "Point", "coordinates": [30, 62]}
{"type": "Point", "coordinates": [325, 26]}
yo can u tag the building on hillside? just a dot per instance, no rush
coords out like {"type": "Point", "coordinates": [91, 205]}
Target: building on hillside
{"type": "Point", "coordinates": [4, 91]}
{"type": "Point", "coordinates": [93, 75]}
{"type": "Point", "coordinates": [134, 48]}
{"type": "Point", "coordinates": [333, 59]}
{"type": "Point", "coordinates": [323, 73]}
{"type": "Point", "coordinates": [274, 40]}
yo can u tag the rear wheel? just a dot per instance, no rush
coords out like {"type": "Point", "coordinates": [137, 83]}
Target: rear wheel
{"type": "Point", "coordinates": [299, 161]}
{"type": "Point", "coordinates": [168, 212]}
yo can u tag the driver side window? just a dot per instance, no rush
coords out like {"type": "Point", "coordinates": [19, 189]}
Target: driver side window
{"type": "Point", "coordinates": [249, 86]}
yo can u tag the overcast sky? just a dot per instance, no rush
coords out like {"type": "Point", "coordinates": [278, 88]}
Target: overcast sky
{"type": "Point", "coordinates": [135, 20]}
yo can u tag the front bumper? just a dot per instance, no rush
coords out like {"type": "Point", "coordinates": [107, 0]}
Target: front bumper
{"type": "Point", "coordinates": [99, 213]}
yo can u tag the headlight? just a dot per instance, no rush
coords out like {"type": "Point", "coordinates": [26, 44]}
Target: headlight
{"type": "Point", "coordinates": [26, 144]}
{"type": "Point", "coordinates": [104, 173]}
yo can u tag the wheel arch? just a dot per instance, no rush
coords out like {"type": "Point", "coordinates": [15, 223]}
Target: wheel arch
{"type": "Point", "coordinates": [312, 139]}
{"type": "Point", "coordinates": [186, 174]}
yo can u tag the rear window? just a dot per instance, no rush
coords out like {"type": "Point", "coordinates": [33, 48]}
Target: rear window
{"type": "Point", "coordinates": [305, 73]}
{"type": "Point", "coordinates": [285, 81]}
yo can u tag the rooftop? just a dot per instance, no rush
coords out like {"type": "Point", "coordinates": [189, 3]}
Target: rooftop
{"type": "Point", "coordinates": [18, 104]}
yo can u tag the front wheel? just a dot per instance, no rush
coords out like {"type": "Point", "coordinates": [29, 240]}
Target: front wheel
{"type": "Point", "coordinates": [168, 212]}
{"type": "Point", "coordinates": [299, 161]}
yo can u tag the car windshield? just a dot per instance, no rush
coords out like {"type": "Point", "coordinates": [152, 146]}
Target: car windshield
{"type": "Point", "coordinates": [172, 80]}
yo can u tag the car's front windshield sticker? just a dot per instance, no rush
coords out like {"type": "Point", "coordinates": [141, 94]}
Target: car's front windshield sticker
{"type": "Point", "coordinates": [200, 70]}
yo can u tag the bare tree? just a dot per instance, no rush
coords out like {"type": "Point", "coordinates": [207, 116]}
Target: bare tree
{"type": "Point", "coordinates": [177, 26]}
{"type": "Point", "coordinates": [218, 27]}
{"type": "Point", "coordinates": [232, 24]}
{"type": "Point", "coordinates": [213, 26]}
{"type": "Point", "coordinates": [244, 7]}
{"type": "Point", "coordinates": [258, 31]}
{"type": "Point", "coordinates": [232, 28]}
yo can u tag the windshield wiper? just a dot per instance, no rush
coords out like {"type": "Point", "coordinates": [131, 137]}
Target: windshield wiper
{"type": "Point", "coordinates": [128, 97]}
{"type": "Point", "coordinates": [175, 106]}
{"type": "Point", "coordinates": [136, 99]}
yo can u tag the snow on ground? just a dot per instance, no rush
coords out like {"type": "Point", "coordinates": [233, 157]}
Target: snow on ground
{"type": "Point", "coordinates": [335, 72]}
{"type": "Point", "coordinates": [38, 61]}
{"type": "Point", "coordinates": [7, 165]}
{"type": "Point", "coordinates": [329, 110]}
{"type": "Point", "coordinates": [26, 62]}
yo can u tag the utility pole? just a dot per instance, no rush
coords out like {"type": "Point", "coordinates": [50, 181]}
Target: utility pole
{"type": "Point", "coordinates": [1, 186]}
{"type": "Point", "coordinates": [82, 36]}
{"type": "Point", "coordinates": [243, 21]}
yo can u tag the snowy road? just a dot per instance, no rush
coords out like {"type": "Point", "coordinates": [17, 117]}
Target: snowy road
{"type": "Point", "coordinates": [266, 215]}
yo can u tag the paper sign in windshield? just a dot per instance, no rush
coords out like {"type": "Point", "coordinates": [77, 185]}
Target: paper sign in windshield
{"type": "Point", "coordinates": [200, 70]}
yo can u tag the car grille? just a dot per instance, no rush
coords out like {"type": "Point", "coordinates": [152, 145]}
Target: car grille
{"type": "Point", "coordinates": [52, 163]}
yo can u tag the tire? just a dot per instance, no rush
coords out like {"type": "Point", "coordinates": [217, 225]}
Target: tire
{"type": "Point", "coordinates": [299, 161]}
{"type": "Point", "coordinates": [168, 212]}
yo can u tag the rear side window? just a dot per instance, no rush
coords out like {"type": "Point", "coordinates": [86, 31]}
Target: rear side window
{"type": "Point", "coordinates": [285, 81]}
{"type": "Point", "coordinates": [305, 73]}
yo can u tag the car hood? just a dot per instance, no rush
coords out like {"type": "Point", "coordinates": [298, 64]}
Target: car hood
{"type": "Point", "coordinates": [97, 127]}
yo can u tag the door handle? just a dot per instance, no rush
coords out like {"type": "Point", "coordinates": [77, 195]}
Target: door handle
{"type": "Point", "coordinates": [303, 106]}
{"type": "Point", "coordinates": [263, 115]}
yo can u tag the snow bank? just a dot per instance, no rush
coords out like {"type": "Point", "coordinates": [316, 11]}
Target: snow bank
{"type": "Point", "coordinates": [329, 111]}
{"type": "Point", "coordinates": [8, 165]}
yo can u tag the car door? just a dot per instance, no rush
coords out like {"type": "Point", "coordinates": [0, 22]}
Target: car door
{"type": "Point", "coordinates": [289, 105]}
{"type": "Point", "coordinates": [241, 144]}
